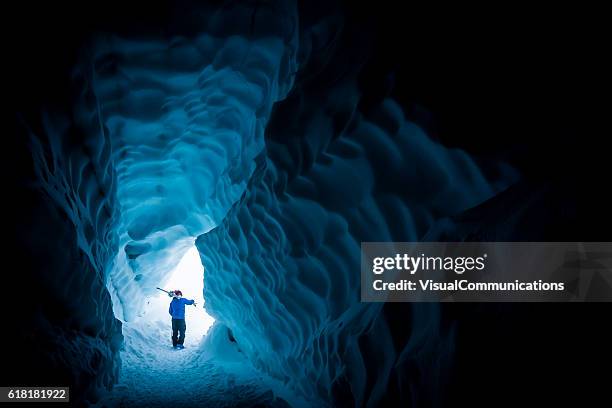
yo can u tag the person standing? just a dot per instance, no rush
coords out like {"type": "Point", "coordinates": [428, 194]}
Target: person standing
{"type": "Point", "coordinates": [177, 311]}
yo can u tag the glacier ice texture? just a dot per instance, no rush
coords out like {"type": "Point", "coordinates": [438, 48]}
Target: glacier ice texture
{"type": "Point", "coordinates": [247, 138]}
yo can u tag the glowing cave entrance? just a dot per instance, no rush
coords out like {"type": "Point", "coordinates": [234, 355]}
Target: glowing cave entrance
{"type": "Point", "coordinates": [188, 277]}
{"type": "Point", "coordinates": [148, 336]}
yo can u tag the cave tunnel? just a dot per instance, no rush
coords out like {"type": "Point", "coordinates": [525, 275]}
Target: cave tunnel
{"type": "Point", "coordinates": [241, 152]}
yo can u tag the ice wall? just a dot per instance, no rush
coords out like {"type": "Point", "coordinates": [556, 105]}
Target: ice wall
{"type": "Point", "coordinates": [186, 117]}
{"type": "Point", "coordinates": [154, 147]}
{"type": "Point", "coordinates": [283, 269]}
{"type": "Point", "coordinates": [165, 143]}
{"type": "Point", "coordinates": [65, 330]}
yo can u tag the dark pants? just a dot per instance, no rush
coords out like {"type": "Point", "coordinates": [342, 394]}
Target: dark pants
{"type": "Point", "coordinates": [178, 331]}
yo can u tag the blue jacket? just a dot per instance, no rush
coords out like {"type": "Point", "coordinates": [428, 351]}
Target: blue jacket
{"type": "Point", "coordinates": [177, 307]}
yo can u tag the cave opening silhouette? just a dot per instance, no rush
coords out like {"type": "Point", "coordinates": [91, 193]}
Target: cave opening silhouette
{"type": "Point", "coordinates": [154, 374]}
{"type": "Point", "coordinates": [244, 131]}
{"type": "Point", "coordinates": [187, 276]}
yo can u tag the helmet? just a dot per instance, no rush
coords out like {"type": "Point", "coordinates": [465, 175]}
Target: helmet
{"type": "Point", "coordinates": [178, 293]}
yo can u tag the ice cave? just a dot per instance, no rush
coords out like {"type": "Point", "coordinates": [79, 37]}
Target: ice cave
{"type": "Point", "coordinates": [238, 139]}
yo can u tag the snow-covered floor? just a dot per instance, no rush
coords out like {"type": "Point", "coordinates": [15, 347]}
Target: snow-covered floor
{"type": "Point", "coordinates": [211, 371]}
{"type": "Point", "coordinates": [155, 375]}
